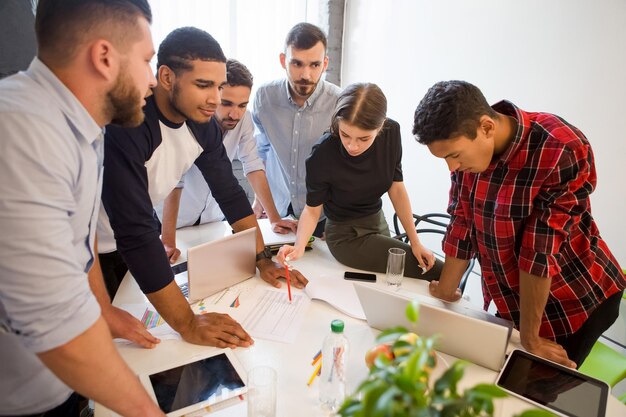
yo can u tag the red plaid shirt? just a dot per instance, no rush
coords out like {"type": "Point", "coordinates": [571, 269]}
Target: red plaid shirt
{"type": "Point", "coordinates": [530, 211]}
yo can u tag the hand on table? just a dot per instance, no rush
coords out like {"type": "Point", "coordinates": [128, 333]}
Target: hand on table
{"type": "Point", "coordinates": [215, 329]}
{"type": "Point", "coordinates": [437, 291]}
{"type": "Point", "coordinates": [272, 271]}
{"type": "Point", "coordinates": [125, 326]}
{"type": "Point", "coordinates": [284, 226]}
{"type": "Point", "coordinates": [547, 349]}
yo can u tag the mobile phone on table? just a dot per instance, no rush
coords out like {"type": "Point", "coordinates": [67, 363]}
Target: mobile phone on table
{"type": "Point", "coordinates": [359, 276]}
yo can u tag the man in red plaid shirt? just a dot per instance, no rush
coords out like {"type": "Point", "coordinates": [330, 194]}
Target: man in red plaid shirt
{"type": "Point", "coordinates": [519, 202]}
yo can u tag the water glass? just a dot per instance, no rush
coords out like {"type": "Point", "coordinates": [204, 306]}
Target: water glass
{"type": "Point", "coordinates": [395, 267]}
{"type": "Point", "coordinates": [262, 392]}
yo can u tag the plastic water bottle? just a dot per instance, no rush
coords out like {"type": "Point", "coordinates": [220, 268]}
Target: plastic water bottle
{"type": "Point", "coordinates": [333, 376]}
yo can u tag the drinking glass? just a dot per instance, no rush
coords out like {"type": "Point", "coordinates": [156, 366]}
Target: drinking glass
{"type": "Point", "coordinates": [262, 392]}
{"type": "Point", "coordinates": [395, 267]}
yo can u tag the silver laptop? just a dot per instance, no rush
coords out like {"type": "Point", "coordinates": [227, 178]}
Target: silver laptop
{"type": "Point", "coordinates": [465, 333]}
{"type": "Point", "coordinates": [218, 264]}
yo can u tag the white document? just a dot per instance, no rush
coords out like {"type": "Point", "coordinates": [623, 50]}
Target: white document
{"type": "Point", "coordinates": [337, 292]}
{"type": "Point", "coordinates": [272, 316]}
{"type": "Point", "coordinates": [272, 238]}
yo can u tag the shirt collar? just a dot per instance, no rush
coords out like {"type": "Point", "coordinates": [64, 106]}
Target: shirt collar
{"type": "Point", "coordinates": [312, 98]}
{"type": "Point", "coordinates": [521, 134]}
{"type": "Point", "coordinates": [76, 114]}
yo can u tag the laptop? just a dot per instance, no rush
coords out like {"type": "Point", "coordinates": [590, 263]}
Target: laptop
{"type": "Point", "coordinates": [465, 333]}
{"type": "Point", "coordinates": [218, 264]}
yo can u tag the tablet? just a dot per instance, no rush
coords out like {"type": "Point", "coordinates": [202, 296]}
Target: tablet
{"type": "Point", "coordinates": [189, 386]}
{"type": "Point", "coordinates": [548, 385]}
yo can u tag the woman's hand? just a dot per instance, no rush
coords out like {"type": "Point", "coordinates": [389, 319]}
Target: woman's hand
{"type": "Point", "coordinates": [425, 257]}
{"type": "Point", "coordinates": [288, 253]}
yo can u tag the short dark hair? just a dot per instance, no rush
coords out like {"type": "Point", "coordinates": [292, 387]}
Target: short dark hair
{"type": "Point", "coordinates": [450, 109]}
{"type": "Point", "coordinates": [187, 44]}
{"type": "Point", "coordinates": [362, 105]}
{"type": "Point", "coordinates": [237, 74]}
{"type": "Point", "coordinates": [62, 25]}
{"type": "Point", "coordinates": [305, 36]}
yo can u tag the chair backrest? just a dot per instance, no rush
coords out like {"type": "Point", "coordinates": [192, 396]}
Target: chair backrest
{"type": "Point", "coordinates": [437, 223]}
{"type": "Point", "coordinates": [605, 364]}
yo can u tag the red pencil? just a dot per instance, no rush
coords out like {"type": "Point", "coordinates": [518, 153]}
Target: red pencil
{"type": "Point", "coordinates": [288, 282]}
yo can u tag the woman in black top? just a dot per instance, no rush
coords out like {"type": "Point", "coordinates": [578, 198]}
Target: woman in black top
{"type": "Point", "coordinates": [348, 171]}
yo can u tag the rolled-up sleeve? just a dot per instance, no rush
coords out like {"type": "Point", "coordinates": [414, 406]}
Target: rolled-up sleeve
{"type": "Point", "coordinates": [44, 291]}
{"type": "Point", "coordinates": [247, 151]}
{"type": "Point", "coordinates": [556, 208]}
{"type": "Point", "coordinates": [262, 142]}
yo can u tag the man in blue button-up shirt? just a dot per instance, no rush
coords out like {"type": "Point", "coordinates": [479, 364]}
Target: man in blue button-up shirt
{"type": "Point", "coordinates": [290, 116]}
{"type": "Point", "coordinates": [92, 67]}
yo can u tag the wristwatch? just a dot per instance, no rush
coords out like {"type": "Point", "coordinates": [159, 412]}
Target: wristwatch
{"type": "Point", "coordinates": [266, 254]}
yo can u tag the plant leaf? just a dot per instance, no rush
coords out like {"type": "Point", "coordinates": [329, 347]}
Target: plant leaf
{"type": "Point", "coordinates": [391, 335]}
{"type": "Point", "coordinates": [535, 413]}
{"type": "Point", "coordinates": [446, 384]}
{"type": "Point", "coordinates": [413, 311]}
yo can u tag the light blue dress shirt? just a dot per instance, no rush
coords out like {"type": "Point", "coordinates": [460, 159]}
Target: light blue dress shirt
{"type": "Point", "coordinates": [50, 159]}
{"type": "Point", "coordinates": [285, 134]}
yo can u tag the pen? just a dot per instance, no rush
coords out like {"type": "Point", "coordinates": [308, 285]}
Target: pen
{"type": "Point", "coordinates": [288, 282]}
{"type": "Point", "coordinates": [318, 368]}
{"type": "Point", "coordinates": [317, 357]}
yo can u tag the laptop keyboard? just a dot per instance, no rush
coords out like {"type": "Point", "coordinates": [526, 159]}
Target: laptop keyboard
{"type": "Point", "coordinates": [184, 288]}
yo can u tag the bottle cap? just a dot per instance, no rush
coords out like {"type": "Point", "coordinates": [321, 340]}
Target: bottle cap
{"type": "Point", "coordinates": [336, 326]}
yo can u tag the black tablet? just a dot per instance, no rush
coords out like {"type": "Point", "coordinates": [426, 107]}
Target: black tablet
{"type": "Point", "coordinates": [558, 389]}
{"type": "Point", "coordinates": [188, 386]}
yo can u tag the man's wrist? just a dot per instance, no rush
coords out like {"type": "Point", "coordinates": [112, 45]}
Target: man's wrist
{"type": "Point", "coordinates": [264, 255]}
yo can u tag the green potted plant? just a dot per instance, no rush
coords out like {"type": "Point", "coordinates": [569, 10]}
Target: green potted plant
{"type": "Point", "coordinates": [398, 384]}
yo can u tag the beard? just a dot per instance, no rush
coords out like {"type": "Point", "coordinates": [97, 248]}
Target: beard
{"type": "Point", "coordinates": [124, 102]}
{"type": "Point", "coordinates": [228, 123]}
{"type": "Point", "coordinates": [304, 88]}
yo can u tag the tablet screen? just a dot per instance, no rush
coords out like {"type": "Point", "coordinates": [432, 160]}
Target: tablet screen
{"type": "Point", "coordinates": [553, 386]}
{"type": "Point", "coordinates": [211, 379]}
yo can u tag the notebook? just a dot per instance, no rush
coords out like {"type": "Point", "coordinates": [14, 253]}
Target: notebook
{"type": "Point", "coordinates": [463, 332]}
{"type": "Point", "coordinates": [218, 264]}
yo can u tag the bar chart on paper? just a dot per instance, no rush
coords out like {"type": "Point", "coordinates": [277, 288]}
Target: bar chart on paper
{"type": "Point", "coordinates": [273, 317]}
{"type": "Point", "coordinates": [151, 319]}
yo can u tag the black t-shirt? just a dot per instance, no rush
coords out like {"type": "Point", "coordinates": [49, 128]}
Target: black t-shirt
{"type": "Point", "coordinates": [350, 187]}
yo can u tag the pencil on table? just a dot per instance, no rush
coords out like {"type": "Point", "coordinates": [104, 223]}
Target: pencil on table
{"type": "Point", "coordinates": [288, 282]}
{"type": "Point", "coordinates": [318, 368]}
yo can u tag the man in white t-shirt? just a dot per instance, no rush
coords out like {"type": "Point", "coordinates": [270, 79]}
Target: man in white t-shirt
{"type": "Point", "coordinates": [192, 203]}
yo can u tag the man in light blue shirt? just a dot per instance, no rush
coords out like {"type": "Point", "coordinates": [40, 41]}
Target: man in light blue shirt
{"type": "Point", "coordinates": [290, 116]}
{"type": "Point", "coordinates": [53, 338]}
{"type": "Point", "coordinates": [194, 204]}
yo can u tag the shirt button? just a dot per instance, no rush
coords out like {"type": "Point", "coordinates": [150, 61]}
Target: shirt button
{"type": "Point", "coordinates": [293, 166]}
{"type": "Point", "coordinates": [294, 150]}
{"type": "Point", "coordinates": [296, 132]}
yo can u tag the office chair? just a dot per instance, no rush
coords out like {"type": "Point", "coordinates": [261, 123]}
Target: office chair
{"type": "Point", "coordinates": [439, 227]}
{"type": "Point", "coordinates": [605, 364]}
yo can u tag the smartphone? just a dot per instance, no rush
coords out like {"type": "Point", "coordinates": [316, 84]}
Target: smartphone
{"type": "Point", "coordinates": [359, 276]}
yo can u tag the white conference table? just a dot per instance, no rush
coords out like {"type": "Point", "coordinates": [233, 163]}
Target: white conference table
{"type": "Point", "coordinates": [293, 361]}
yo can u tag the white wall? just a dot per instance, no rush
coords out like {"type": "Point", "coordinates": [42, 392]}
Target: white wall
{"type": "Point", "coordinates": [566, 57]}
